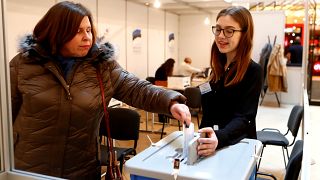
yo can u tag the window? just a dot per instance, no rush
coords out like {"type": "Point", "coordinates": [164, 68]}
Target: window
{"type": "Point", "coordinates": [1, 117]}
{"type": "Point", "coordinates": [6, 154]}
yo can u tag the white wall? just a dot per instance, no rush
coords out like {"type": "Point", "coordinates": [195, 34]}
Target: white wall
{"type": "Point", "coordinates": [156, 40]}
{"type": "Point", "coordinates": [294, 94]}
{"type": "Point", "coordinates": [172, 26]}
{"type": "Point", "coordinates": [120, 18]}
{"type": "Point", "coordinates": [111, 20]}
{"type": "Point", "coordinates": [195, 40]}
{"type": "Point", "coordinates": [22, 16]}
{"type": "Point", "coordinates": [137, 55]}
{"type": "Point", "coordinates": [267, 23]}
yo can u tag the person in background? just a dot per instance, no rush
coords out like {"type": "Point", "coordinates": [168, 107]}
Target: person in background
{"type": "Point", "coordinates": [294, 53]}
{"type": "Point", "coordinates": [161, 77]}
{"type": "Point", "coordinates": [186, 69]}
{"type": "Point", "coordinates": [165, 70]}
{"type": "Point", "coordinates": [56, 98]}
{"type": "Point", "coordinates": [230, 98]}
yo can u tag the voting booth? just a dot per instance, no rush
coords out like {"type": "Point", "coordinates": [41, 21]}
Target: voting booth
{"type": "Point", "coordinates": [156, 162]}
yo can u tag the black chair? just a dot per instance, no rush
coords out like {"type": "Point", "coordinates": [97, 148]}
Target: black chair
{"type": "Point", "coordinates": [151, 79]}
{"type": "Point", "coordinates": [270, 136]}
{"type": "Point", "coordinates": [124, 126]}
{"type": "Point", "coordinates": [193, 96]}
{"type": "Point", "coordinates": [294, 164]}
{"type": "Point", "coordinates": [166, 119]}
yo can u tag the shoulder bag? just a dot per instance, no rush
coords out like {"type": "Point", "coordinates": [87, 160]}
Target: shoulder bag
{"type": "Point", "coordinates": [113, 167]}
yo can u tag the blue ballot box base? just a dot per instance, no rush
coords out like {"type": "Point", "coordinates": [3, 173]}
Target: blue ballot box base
{"type": "Point", "coordinates": [135, 177]}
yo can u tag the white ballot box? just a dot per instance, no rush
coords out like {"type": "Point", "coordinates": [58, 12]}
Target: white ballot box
{"type": "Point", "coordinates": [178, 82]}
{"type": "Point", "coordinates": [156, 162]}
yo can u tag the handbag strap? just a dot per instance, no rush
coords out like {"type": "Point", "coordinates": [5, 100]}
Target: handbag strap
{"type": "Point", "coordinates": [106, 114]}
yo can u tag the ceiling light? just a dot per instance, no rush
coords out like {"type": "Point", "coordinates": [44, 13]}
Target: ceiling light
{"type": "Point", "coordinates": [157, 4]}
{"type": "Point", "coordinates": [206, 21]}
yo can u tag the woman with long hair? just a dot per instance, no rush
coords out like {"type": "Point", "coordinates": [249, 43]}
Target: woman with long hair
{"type": "Point", "coordinates": [230, 98]}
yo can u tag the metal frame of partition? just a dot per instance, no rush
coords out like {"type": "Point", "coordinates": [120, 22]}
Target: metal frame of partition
{"type": "Point", "coordinates": [306, 157]}
{"type": "Point", "coordinates": [7, 170]}
{"type": "Point", "coordinates": [6, 153]}
{"type": "Point", "coordinates": [1, 70]}
{"type": "Point", "coordinates": [312, 5]}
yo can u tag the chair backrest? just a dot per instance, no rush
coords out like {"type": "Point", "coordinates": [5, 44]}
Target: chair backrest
{"type": "Point", "coordinates": [193, 96]}
{"type": "Point", "coordinates": [295, 160]}
{"type": "Point", "coordinates": [295, 119]}
{"type": "Point", "coordinates": [151, 79]}
{"type": "Point", "coordinates": [124, 124]}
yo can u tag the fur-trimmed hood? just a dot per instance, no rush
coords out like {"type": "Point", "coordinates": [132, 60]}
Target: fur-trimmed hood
{"type": "Point", "coordinates": [29, 47]}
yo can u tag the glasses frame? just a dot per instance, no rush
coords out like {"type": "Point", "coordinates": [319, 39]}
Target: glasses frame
{"type": "Point", "coordinates": [223, 30]}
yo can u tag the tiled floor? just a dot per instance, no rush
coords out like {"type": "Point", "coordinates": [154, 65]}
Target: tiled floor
{"type": "Point", "coordinates": [268, 115]}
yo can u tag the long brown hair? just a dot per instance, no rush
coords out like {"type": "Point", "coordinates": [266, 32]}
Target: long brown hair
{"type": "Point", "coordinates": [60, 24]}
{"type": "Point", "coordinates": [243, 55]}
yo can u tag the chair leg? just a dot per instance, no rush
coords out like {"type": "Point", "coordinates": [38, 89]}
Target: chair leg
{"type": "Point", "coordinates": [162, 118]}
{"type": "Point", "coordinates": [284, 156]}
{"type": "Point", "coordinates": [277, 99]}
{"type": "Point", "coordinates": [198, 120]}
{"type": "Point", "coordinates": [260, 157]}
{"type": "Point", "coordinates": [262, 97]}
{"type": "Point", "coordinates": [287, 154]}
{"type": "Point", "coordinates": [121, 163]}
{"type": "Point", "coordinates": [162, 129]}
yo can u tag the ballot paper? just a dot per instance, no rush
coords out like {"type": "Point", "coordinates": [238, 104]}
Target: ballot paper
{"type": "Point", "coordinates": [188, 134]}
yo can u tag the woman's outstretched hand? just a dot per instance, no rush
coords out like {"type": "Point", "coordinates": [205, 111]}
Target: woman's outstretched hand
{"type": "Point", "coordinates": [181, 112]}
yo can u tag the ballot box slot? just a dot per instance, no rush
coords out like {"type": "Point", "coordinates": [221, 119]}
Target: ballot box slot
{"type": "Point", "coordinates": [162, 147]}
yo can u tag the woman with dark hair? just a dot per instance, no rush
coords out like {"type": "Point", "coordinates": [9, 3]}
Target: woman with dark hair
{"type": "Point", "coordinates": [230, 98]}
{"type": "Point", "coordinates": [161, 77]}
{"type": "Point", "coordinates": [56, 97]}
{"type": "Point", "coordinates": [165, 70]}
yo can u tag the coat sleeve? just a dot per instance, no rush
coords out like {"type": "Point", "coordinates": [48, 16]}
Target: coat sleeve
{"type": "Point", "coordinates": [16, 98]}
{"type": "Point", "coordinates": [242, 124]}
{"type": "Point", "coordinates": [141, 93]}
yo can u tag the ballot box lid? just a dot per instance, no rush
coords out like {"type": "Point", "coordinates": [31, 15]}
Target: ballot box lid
{"type": "Point", "coordinates": [232, 162]}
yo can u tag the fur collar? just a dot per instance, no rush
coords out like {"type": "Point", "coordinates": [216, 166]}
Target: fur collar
{"type": "Point", "coordinates": [29, 46]}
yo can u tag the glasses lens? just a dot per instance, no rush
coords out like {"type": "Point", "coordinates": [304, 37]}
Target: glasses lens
{"type": "Point", "coordinates": [216, 31]}
{"type": "Point", "coordinates": [228, 32]}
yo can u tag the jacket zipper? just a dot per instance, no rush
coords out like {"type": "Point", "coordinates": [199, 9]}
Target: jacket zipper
{"type": "Point", "coordinates": [55, 70]}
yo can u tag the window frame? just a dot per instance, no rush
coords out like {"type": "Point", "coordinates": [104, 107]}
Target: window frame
{"type": "Point", "coordinates": [7, 170]}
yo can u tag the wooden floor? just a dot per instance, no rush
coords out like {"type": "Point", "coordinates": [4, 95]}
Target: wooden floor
{"type": "Point", "coordinates": [268, 115]}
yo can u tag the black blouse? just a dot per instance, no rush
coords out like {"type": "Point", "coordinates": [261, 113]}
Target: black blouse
{"type": "Point", "coordinates": [234, 108]}
{"type": "Point", "coordinates": [161, 74]}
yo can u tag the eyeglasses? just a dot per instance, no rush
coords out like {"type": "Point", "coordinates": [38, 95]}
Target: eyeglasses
{"type": "Point", "coordinates": [228, 32]}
